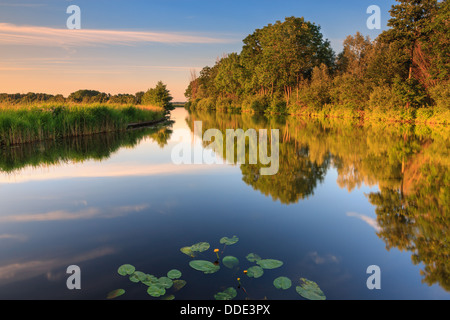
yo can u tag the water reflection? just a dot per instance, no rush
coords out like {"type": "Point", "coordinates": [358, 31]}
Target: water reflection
{"type": "Point", "coordinates": [106, 200]}
{"type": "Point", "coordinates": [409, 164]}
{"type": "Point", "coordinates": [77, 150]}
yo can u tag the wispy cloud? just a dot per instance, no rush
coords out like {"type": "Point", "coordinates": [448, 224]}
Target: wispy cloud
{"type": "Point", "coordinates": [18, 237]}
{"type": "Point", "coordinates": [100, 170]}
{"type": "Point", "coordinates": [46, 36]}
{"type": "Point", "coordinates": [23, 270]}
{"type": "Point", "coordinates": [63, 215]}
{"type": "Point", "coordinates": [322, 259]}
{"type": "Point", "coordinates": [23, 5]}
{"type": "Point", "coordinates": [370, 221]}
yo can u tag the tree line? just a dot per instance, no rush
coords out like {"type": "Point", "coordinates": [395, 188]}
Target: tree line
{"type": "Point", "coordinates": [158, 96]}
{"type": "Point", "coordinates": [288, 67]}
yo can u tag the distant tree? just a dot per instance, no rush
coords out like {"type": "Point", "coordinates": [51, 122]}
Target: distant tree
{"type": "Point", "coordinates": [59, 98]}
{"type": "Point", "coordinates": [355, 55]}
{"type": "Point", "coordinates": [158, 96]}
{"type": "Point", "coordinates": [138, 97]}
{"type": "Point", "coordinates": [123, 99]}
{"type": "Point", "coordinates": [83, 95]}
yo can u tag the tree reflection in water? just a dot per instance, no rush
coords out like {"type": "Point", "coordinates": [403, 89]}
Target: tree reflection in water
{"type": "Point", "coordinates": [409, 164]}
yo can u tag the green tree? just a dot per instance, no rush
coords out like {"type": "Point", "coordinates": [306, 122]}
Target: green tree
{"type": "Point", "coordinates": [88, 96]}
{"type": "Point", "coordinates": [285, 52]}
{"type": "Point", "coordinates": [228, 80]}
{"type": "Point", "coordinates": [434, 50]}
{"type": "Point", "coordinates": [138, 97]}
{"type": "Point", "coordinates": [355, 55]}
{"type": "Point", "coordinates": [410, 24]}
{"type": "Point", "coordinates": [158, 96]}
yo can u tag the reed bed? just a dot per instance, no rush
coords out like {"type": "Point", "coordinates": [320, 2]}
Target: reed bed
{"type": "Point", "coordinates": [29, 123]}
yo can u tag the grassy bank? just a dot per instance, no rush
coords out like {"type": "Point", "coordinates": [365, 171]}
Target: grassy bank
{"type": "Point", "coordinates": [28, 123]}
{"type": "Point", "coordinates": [430, 115]}
{"type": "Point", "coordinates": [433, 115]}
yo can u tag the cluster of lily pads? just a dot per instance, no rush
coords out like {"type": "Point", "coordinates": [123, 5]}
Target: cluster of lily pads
{"type": "Point", "coordinates": [307, 289]}
{"type": "Point", "coordinates": [157, 287]}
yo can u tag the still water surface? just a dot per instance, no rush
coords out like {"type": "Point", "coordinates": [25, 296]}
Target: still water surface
{"type": "Point", "coordinates": [346, 197]}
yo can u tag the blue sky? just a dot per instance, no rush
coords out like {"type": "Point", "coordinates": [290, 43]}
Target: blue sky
{"type": "Point", "coordinates": [127, 46]}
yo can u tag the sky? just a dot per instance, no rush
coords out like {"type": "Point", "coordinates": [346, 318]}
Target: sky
{"type": "Point", "coordinates": [128, 46]}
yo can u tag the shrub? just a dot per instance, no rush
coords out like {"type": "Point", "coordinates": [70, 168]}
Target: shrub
{"type": "Point", "coordinates": [227, 104]}
{"type": "Point", "coordinates": [440, 95]}
{"type": "Point", "coordinates": [411, 92]}
{"type": "Point", "coordinates": [350, 91]}
{"type": "Point", "coordinates": [277, 106]}
{"type": "Point", "coordinates": [434, 115]}
{"type": "Point", "coordinates": [256, 104]}
{"type": "Point", "coordinates": [383, 98]}
{"type": "Point", "coordinates": [206, 104]}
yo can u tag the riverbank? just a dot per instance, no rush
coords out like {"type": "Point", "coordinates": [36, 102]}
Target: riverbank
{"type": "Point", "coordinates": [30, 123]}
{"type": "Point", "coordinates": [435, 115]}
{"type": "Point", "coordinates": [430, 115]}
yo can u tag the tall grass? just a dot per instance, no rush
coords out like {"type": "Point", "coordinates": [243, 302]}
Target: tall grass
{"type": "Point", "coordinates": [28, 123]}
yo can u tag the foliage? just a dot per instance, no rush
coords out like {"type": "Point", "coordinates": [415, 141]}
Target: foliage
{"type": "Point", "coordinates": [288, 68]}
{"type": "Point", "coordinates": [158, 96]}
{"type": "Point", "coordinates": [22, 124]}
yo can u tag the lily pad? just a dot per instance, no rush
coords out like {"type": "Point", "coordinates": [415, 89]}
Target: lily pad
{"type": "Point", "coordinates": [228, 241]}
{"type": "Point", "coordinates": [200, 247]}
{"type": "Point", "coordinates": [167, 298]}
{"type": "Point", "coordinates": [156, 291]}
{"type": "Point", "coordinates": [228, 294]}
{"type": "Point", "coordinates": [115, 294]}
{"type": "Point", "coordinates": [204, 266]}
{"type": "Point", "coordinates": [188, 251]}
{"type": "Point", "coordinates": [255, 272]}
{"type": "Point", "coordinates": [174, 274]}
{"type": "Point", "coordinates": [230, 262]}
{"type": "Point", "coordinates": [178, 284]}
{"type": "Point", "coordinates": [252, 257]}
{"type": "Point", "coordinates": [165, 282]}
{"type": "Point", "coordinates": [195, 248]}
{"type": "Point", "coordinates": [126, 269]}
{"type": "Point", "coordinates": [139, 276]}
{"type": "Point", "coordinates": [134, 278]}
{"type": "Point", "coordinates": [310, 290]}
{"type": "Point", "coordinates": [150, 279]}
{"type": "Point", "coordinates": [282, 283]}
{"type": "Point", "coordinates": [269, 263]}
